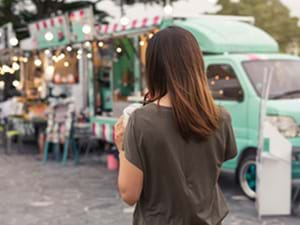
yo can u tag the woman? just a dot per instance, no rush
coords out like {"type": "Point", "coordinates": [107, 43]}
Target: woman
{"type": "Point", "coordinates": [174, 146]}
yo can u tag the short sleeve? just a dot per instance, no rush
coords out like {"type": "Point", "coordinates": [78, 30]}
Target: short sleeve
{"type": "Point", "coordinates": [131, 146]}
{"type": "Point", "coordinates": [230, 143]}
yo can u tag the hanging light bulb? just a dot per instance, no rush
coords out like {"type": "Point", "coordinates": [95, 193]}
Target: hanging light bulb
{"type": "Point", "coordinates": [69, 48]}
{"type": "Point", "coordinates": [6, 68]}
{"type": "Point", "coordinates": [89, 55]}
{"type": "Point", "coordinates": [25, 60]}
{"type": "Point", "coordinates": [150, 35]}
{"type": "Point", "coordinates": [15, 66]}
{"type": "Point", "coordinates": [66, 64]}
{"type": "Point", "coordinates": [37, 62]}
{"type": "Point", "coordinates": [13, 41]}
{"type": "Point", "coordinates": [142, 43]}
{"type": "Point", "coordinates": [87, 44]}
{"type": "Point", "coordinates": [15, 58]}
{"type": "Point", "coordinates": [47, 52]}
{"type": "Point", "coordinates": [16, 84]}
{"type": "Point", "coordinates": [101, 44]}
{"type": "Point", "coordinates": [119, 50]}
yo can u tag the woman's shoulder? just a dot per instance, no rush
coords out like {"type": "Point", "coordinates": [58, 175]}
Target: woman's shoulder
{"type": "Point", "coordinates": [142, 113]}
{"type": "Point", "coordinates": [224, 115]}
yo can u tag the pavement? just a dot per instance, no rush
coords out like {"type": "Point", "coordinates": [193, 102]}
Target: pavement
{"type": "Point", "coordinates": [32, 193]}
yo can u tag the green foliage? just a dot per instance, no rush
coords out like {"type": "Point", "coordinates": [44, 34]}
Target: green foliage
{"type": "Point", "coordinates": [270, 15]}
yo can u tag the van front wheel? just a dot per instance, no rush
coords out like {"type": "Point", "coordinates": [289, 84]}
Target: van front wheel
{"type": "Point", "coordinates": [247, 176]}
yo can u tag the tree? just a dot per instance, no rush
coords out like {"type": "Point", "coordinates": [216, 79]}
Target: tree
{"type": "Point", "coordinates": [270, 15]}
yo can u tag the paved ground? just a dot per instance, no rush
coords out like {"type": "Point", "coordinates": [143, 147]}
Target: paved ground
{"type": "Point", "coordinates": [35, 194]}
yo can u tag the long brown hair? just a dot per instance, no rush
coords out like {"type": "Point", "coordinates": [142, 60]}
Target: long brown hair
{"type": "Point", "coordinates": [175, 66]}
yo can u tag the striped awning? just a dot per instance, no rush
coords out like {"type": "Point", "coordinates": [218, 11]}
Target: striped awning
{"type": "Point", "coordinates": [132, 25]}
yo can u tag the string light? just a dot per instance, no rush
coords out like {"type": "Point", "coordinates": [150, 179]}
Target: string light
{"type": "Point", "coordinates": [212, 82]}
{"type": "Point", "coordinates": [15, 66]}
{"type": "Point", "coordinates": [89, 55]}
{"type": "Point", "coordinates": [69, 48]}
{"type": "Point", "coordinates": [59, 57]}
{"type": "Point", "coordinates": [6, 69]}
{"type": "Point", "coordinates": [47, 52]}
{"type": "Point", "coordinates": [150, 35]}
{"type": "Point", "coordinates": [15, 58]}
{"type": "Point", "coordinates": [221, 92]}
{"type": "Point", "coordinates": [16, 83]}
{"type": "Point", "coordinates": [217, 77]}
{"type": "Point", "coordinates": [66, 64]}
{"type": "Point", "coordinates": [100, 44]}
{"type": "Point", "coordinates": [142, 43]}
{"type": "Point", "coordinates": [37, 62]}
{"type": "Point", "coordinates": [13, 41]}
{"type": "Point", "coordinates": [25, 60]}
{"type": "Point", "coordinates": [119, 50]}
{"type": "Point", "coordinates": [227, 78]}
{"type": "Point", "coordinates": [87, 44]}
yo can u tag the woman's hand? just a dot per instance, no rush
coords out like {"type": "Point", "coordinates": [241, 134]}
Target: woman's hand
{"type": "Point", "coordinates": [119, 133]}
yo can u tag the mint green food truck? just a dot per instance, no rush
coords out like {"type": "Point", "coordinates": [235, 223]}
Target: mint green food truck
{"type": "Point", "coordinates": [236, 55]}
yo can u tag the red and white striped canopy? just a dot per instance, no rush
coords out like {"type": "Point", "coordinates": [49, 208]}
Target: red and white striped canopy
{"type": "Point", "coordinates": [49, 23]}
{"type": "Point", "coordinates": [116, 27]}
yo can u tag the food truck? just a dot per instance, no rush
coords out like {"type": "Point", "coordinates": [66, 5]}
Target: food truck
{"type": "Point", "coordinates": [236, 55]}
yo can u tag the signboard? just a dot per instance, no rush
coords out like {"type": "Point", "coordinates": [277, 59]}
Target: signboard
{"type": "Point", "coordinates": [52, 32]}
{"type": "Point", "coordinates": [82, 24]}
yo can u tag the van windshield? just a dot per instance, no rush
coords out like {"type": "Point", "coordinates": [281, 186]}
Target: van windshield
{"type": "Point", "coordinates": [285, 82]}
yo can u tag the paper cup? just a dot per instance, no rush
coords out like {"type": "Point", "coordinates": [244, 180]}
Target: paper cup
{"type": "Point", "coordinates": [129, 110]}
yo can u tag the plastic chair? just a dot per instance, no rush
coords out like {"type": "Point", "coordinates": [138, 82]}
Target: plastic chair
{"type": "Point", "coordinates": [70, 140]}
{"type": "Point", "coordinates": [9, 132]}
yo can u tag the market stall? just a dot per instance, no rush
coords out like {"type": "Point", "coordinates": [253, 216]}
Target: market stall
{"type": "Point", "coordinates": [119, 66]}
{"type": "Point", "coordinates": [61, 56]}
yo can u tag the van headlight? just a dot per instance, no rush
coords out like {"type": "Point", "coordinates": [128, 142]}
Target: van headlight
{"type": "Point", "coordinates": [287, 126]}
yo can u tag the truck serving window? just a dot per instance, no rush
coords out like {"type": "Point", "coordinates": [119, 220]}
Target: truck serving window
{"type": "Point", "coordinates": [285, 82]}
{"type": "Point", "coordinates": [223, 83]}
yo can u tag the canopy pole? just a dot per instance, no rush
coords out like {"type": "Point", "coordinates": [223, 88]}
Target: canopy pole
{"type": "Point", "coordinates": [137, 72]}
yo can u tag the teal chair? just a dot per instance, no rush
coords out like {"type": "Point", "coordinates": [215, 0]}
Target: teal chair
{"type": "Point", "coordinates": [70, 140]}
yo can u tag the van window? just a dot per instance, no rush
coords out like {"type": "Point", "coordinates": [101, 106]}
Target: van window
{"type": "Point", "coordinates": [223, 83]}
{"type": "Point", "coordinates": [285, 82]}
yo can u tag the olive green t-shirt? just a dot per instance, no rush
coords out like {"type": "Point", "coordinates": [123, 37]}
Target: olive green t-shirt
{"type": "Point", "coordinates": [180, 177]}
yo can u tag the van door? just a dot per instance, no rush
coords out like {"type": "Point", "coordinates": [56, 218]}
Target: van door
{"type": "Point", "coordinates": [227, 90]}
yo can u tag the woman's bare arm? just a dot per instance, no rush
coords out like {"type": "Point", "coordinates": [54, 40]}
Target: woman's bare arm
{"type": "Point", "coordinates": [130, 180]}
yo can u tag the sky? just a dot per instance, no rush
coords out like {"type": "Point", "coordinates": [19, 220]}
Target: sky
{"type": "Point", "coordinates": [188, 7]}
